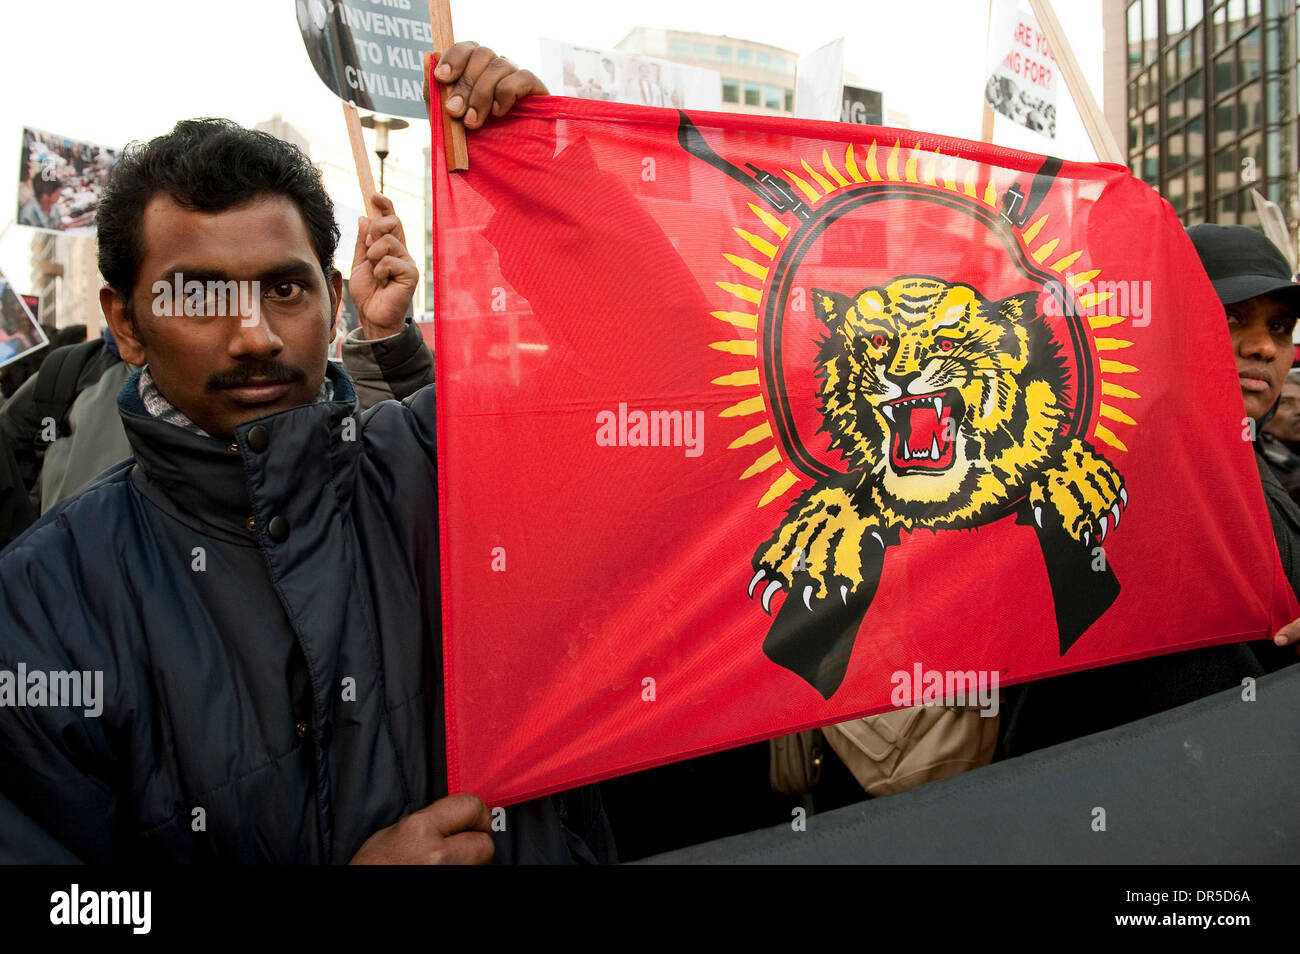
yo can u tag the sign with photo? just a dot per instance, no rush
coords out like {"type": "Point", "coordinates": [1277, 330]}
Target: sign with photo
{"type": "Point", "coordinates": [1022, 71]}
{"type": "Point", "coordinates": [609, 75]}
{"type": "Point", "coordinates": [19, 333]}
{"type": "Point", "coordinates": [60, 181]}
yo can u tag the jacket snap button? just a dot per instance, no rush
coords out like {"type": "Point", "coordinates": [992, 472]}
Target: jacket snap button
{"type": "Point", "coordinates": [233, 448]}
{"type": "Point", "coordinates": [302, 730]}
{"type": "Point", "coordinates": [259, 438]}
{"type": "Point", "coordinates": [278, 528]}
{"type": "Point", "coordinates": [251, 525]}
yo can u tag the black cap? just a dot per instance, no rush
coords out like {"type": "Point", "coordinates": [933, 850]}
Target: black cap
{"type": "Point", "coordinates": [1242, 263]}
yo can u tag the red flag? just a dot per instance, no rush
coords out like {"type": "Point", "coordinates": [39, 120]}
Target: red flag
{"type": "Point", "coordinates": [746, 424]}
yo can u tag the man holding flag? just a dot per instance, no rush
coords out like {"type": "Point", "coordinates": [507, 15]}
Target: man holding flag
{"type": "Point", "coordinates": [248, 610]}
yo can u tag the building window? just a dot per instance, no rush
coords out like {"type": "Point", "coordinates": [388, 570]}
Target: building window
{"type": "Point", "coordinates": [753, 94]}
{"type": "Point", "coordinates": [778, 64]}
{"type": "Point", "coordinates": [789, 101]}
{"type": "Point", "coordinates": [723, 52]}
{"type": "Point", "coordinates": [764, 60]}
{"type": "Point", "coordinates": [1174, 17]}
{"type": "Point", "coordinates": [679, 48]}
{"type": "Point", "coordinates": [1135, 38]}
{"type": "Point", "coordinates": [702, 51]}
{"type": "Point", "coordinates": [772, 97]}
{"type": "Point", "coordinates": [744, 56]}
{"type": "Point", "coordinates": [730, 91]}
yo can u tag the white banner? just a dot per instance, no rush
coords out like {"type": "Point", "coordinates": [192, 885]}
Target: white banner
{"type": "Point", "coordinates": [587, 73]}
{"type": "Point", "coordinates": [1021, 70]}
{"type": "Point", "coordinates": [819, 83]}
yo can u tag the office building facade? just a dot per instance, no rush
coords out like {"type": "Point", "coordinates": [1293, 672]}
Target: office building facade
{"type": "Point", "coordinates": [1204, 94]}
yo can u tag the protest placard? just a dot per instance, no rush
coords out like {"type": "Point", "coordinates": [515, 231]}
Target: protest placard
{"type": "Point", "coordinates": [60, 181]}
{"type": "Point", "coordinates": [1022, 71]}
{"type": "Point", "coordinates": [369, 55]}
{"type": "Point", "coordinates": [19, 332]}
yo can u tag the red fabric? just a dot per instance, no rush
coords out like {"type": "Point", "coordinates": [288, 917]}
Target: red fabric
{"type": "Point", "coordinates": [578, 264]}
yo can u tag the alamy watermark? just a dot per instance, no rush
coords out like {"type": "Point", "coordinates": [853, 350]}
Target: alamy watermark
{"type": "Point", "coordinates": [209, 299]}
{"type": "Point", "coordinates": [946, 687]}
{"type": "Point", "coordinates": [1122, 299]}
{"type": "Point", "coordinates": [55, 688]}
{"type": "Point", "coordinates": [626, 428]}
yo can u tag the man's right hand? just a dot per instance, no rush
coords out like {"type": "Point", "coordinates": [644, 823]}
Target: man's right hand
{"type": "Point", "coordinates": [451, 831]}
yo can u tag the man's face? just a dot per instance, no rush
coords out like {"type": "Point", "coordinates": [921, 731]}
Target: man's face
{"type": "Point", "coordinates": [1261, 329]}
{"type": "Point", "coordinates": [48, 200]}
{"type": "Point", "coordinates": [1285, 424]}
{"type": "Point", "coordinates": [252, 355]}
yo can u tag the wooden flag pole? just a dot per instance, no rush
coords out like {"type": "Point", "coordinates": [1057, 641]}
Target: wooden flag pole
{"type": "Point", "coordinates": [1094, 121]}
{"type": "Point", "coordinates": [360, 159]}
{"type": "Point", "coordinates": [453, 130]}
{"type": "Point", "coordinates": [986, 129]}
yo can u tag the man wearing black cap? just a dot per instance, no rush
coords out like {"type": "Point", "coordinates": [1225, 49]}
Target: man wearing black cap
{"type": "Point", "coordinates": [1254, 283]}
{"type": "Point", "coordinates": [1253, 280]}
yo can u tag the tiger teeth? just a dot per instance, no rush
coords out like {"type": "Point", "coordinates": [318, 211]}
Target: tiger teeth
{"type": "Point", "coordinates": [934, 448]}
{"type": "Point", "coordinates": [888, 412]}
{"type": "Point", "coordinates": [938, 407]}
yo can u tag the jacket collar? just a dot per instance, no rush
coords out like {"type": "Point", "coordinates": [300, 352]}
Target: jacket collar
{"type": "Point", "coordinates": [204, 481]}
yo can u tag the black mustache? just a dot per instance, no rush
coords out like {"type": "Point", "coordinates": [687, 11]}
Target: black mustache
{"type": "Point", "coordinates": [271, 372]}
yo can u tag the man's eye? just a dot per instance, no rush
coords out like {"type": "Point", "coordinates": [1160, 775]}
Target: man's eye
{"type": "Point", "coordinates": [285, 290]}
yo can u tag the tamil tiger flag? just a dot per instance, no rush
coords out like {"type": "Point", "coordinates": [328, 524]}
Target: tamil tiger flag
{"type": "Point", "coordinates": [743, 421]}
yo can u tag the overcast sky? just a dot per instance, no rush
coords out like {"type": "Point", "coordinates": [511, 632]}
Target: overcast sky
{"type": "Point", "coordinates": [113, 72]}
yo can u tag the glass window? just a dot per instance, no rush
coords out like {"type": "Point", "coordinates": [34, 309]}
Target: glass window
{"type": "Point", "coordinates": [1150, 29]}
{"type": "Point", "coordinates": [744, 55]}
{"type": "Point", "coordinates": [1250, 107]}
{"type": "Point", "coordinates": [1225, 125]}
{"type": "Point", "coordinates": [1275, 151]}
{"type": "Point", "coordinates": [1220, 37]}
{"type": "Point", "coordinates": [679, 48]}
{"type": "Point", "coordinates": [1133, 133]}
{"type": "Point", "coordinates": [1174, 105]}
{"type": "Point", "coordinates": [1150, 126]}
{"type": "Point", "coordinates": [1176, 193]}
{"type": "Point", "coordinates": [1251, 147]}
{"type": "Point", "coordinates": [1195, 94]}
{"type": "Point", "coordinates": [789, 101]}
{"type": "Point", "coordinates": [1171, 68]}
{"type": "Point", "coordinates": [1196, 140]}
{"type": "Point", "coordinates": [1173, 17]}
{"type": "Point", "coordinates": [1252, 8]}
{"type": "Point", "coordinates": [778, 64]}
{"type": "Point", "coordinates": [1227, 210]}
{"type": "Point", "coordinates": [723, 53]}
{"type": "Point", "coordinates": [1225, 71]}
{"type": "Point", "coordinates": [1246, 214]}
{"type": "Point", "coordinates": [1277, 193]}
{"type": "Point", "coordinates": [753, 94]}
{"type": "Point", "coordinates": [1236, 17]}
{"type": "Point", "coordinates": [1174, 151]}
{"type": "Point", "coordinates": [702, 51]}
{"type": "Point", "coordinates": [1195, 186]}
{"type": "Point", "coordinates": [1135, 37]}
{"type": "Point", "coordinates": [1151, 165]}
{"type": "Point", "coordinates": [1195, 11]}
{"type": "Point", "coordinates": [1225, 170]}
{"type": "Point", "coordinates": [1274, 97]}
{"type": "Point", "coordinates": [765, 60]}
{"type": "Point", "coordinates": [730, 91]}
{"type": "Point", "coordinates": [772, 97]}
{"type": "Point", "coordinates": [1249, 54]}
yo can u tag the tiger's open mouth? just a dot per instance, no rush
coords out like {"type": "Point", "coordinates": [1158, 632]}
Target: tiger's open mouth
{"type": "Point", "coordinates": [918, 428]}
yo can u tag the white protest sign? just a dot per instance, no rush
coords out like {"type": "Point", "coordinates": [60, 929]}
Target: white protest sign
{"type": "Point", "coordinates": [1022, 72]}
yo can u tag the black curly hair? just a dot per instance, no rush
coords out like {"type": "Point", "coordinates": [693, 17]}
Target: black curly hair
{"type": "Point", "coordinates": [209, 165]}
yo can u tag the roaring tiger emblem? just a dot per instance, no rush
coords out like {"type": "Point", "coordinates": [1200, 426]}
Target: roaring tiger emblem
{"type": "Point", "coordinates": [951, 411]}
